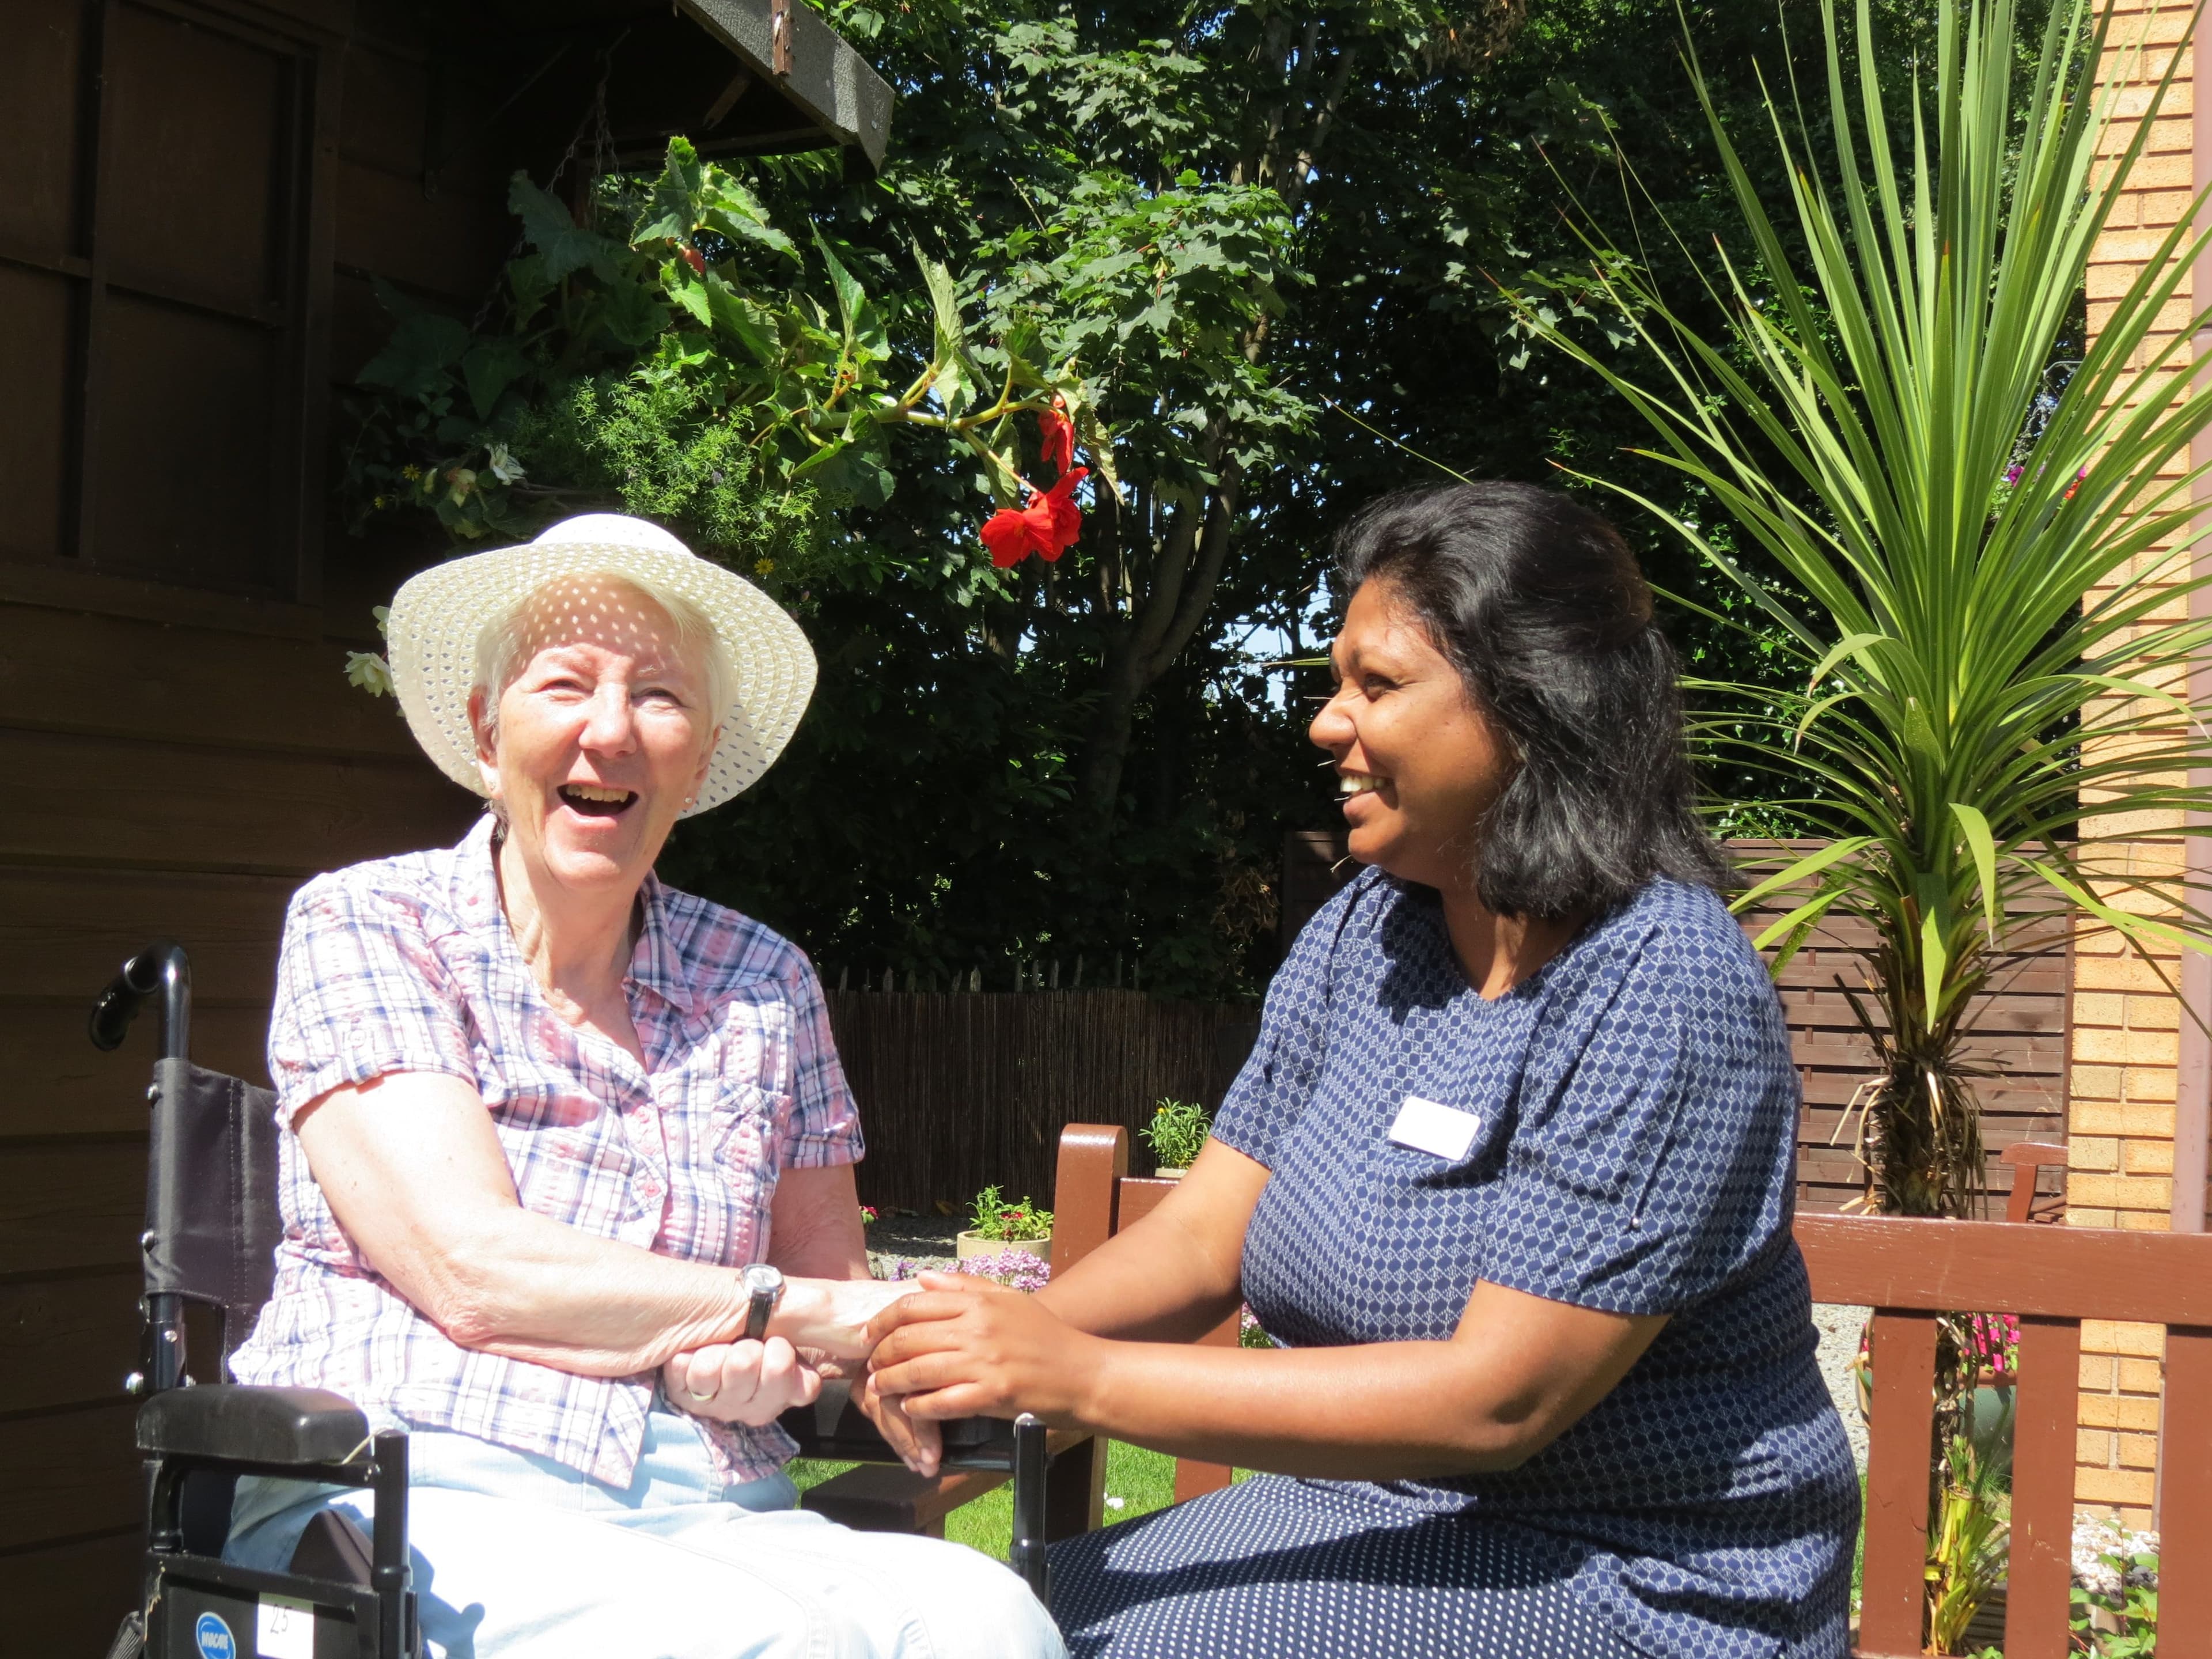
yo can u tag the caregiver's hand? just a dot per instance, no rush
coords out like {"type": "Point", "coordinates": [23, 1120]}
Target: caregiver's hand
{"type": "Point", "coordinates": [966, 1348]}
{"type": "Point", "coordinates": [919, 1443]}
{"type": "Point", "coordinates": [741, 1382]}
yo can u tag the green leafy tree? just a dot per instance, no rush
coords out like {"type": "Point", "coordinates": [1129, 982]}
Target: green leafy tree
{"type": "Point", "coordinates": [1229, 220]}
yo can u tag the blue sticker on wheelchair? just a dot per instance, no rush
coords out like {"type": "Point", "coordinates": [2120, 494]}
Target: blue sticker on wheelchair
{"type": "Point", "coordinates": [214, 1637]}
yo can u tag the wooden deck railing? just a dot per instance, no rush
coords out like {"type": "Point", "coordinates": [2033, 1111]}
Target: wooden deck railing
{"type": "Point", "coordinates": [1909, 1271]}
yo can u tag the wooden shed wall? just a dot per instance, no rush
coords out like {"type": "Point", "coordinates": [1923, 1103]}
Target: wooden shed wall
{"type": "Point", "coordinates": [182, 759]}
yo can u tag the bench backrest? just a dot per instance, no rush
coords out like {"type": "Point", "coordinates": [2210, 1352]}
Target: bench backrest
{"type": "Point", "coordinates": [2054, 1278]}
{"type": "Point", "coordinates": [1910, 1272]}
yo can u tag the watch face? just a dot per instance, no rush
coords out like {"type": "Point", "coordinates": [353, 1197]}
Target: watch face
{"type": "Point", "coordinates": [760, 1279]}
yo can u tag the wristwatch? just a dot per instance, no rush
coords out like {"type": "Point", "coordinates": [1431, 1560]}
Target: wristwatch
{"type": "Point", "coordinates": [764, 1286]}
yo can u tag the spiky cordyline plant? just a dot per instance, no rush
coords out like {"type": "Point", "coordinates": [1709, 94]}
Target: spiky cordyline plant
{"type": "Point", "coordinates": [1991, 618]}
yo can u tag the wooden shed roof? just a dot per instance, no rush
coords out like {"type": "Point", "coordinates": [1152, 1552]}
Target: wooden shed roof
{"type": "Point", "coordinates": [784, 80]}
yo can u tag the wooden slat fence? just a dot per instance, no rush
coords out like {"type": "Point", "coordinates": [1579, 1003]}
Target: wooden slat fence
{"type": "Point", "coordinates": [2018, 1031]}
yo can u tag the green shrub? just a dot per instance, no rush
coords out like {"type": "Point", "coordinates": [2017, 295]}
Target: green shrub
{"type": "Point", "coordinates": [1177, 1133]}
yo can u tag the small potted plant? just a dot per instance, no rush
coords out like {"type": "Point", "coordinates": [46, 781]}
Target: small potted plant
{"type": "Point", "coordinates": [998, 1223]}
{"type": "Point", "coordinates": [1177, 1134]}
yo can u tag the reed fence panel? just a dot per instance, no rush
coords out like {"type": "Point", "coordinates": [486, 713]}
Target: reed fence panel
{"type": "Point", "coordinates": [960, 1090]}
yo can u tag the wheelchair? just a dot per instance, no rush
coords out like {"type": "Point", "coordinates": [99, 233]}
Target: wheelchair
{"type": "Point", "coordinates": [212, 1227]}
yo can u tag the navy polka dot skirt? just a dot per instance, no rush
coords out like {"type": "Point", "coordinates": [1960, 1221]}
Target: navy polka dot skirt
{"type": "Point", "coordinates": [1274, 1567]}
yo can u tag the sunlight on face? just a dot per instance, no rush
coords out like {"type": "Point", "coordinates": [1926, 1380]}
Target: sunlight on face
{"type": "Point", "coordinates": [602, 737]}
{"type": "Point", "coordinates": [1419, 764]}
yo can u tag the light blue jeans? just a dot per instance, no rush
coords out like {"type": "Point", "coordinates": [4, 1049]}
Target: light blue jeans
{"type": "Point", "coordinates": [518, 1556]}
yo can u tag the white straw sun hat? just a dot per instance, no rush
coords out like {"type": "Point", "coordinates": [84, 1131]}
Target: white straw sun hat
{"type": "Point", "coordinates": [437, 616]}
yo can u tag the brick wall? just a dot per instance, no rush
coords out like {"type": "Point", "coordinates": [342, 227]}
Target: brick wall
{"type": "Point", "coordinates": [2126, 1032]}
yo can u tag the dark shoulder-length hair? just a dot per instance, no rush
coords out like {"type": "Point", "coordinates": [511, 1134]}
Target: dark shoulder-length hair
{"type": "Point", "coordinates": [1539, 604]}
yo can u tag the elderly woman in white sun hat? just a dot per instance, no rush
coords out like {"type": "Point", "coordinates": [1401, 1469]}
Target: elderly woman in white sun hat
{"type": "Point", "coordinates": [567, 1154]}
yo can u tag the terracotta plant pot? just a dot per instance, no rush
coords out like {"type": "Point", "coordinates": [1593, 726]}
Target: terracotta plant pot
{"type": "Point", "coordinates": [968, 1246]}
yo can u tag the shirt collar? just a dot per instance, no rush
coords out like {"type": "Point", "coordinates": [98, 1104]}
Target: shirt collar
{"type": "Point", "coordinates": [656, 964]}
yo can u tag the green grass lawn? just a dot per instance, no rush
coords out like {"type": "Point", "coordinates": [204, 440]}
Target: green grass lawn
{"type": "Point", "coordinates": [1142, 1481]}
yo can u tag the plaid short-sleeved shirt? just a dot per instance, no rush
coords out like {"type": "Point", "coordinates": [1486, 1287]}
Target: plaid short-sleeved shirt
{"type": "Point", "coordinates": [406, 964]}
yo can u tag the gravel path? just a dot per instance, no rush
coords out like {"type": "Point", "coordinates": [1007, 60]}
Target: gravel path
{"type": "Point", "coordinates": [923, 1241]}
{"type": "Point", "coordinates": [1839, 1325]}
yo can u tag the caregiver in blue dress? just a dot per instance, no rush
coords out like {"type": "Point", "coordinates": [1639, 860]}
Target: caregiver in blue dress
{"type": "Point", "coordinates": [1508, 1178]}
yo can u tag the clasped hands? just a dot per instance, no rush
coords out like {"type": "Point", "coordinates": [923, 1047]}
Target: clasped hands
{"type": "Point", "coordinates": [947, 1346]}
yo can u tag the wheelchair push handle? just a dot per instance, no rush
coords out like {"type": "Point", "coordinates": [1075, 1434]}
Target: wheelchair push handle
{"type": "Point", "coordinates": [163, 967]}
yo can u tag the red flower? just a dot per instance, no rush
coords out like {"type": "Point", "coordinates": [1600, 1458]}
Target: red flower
{"type": "Point", "coordinates": [1007, 533]}
{"type": "Point", "coordinates": [1055, 438]}
{"type": "Point", "coordinates": [691, 258]}
{"type": "Point", "coordinates": [1047, 526]}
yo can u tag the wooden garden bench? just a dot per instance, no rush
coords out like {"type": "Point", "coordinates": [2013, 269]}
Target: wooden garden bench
{"type": "Point", "coordinates": [2053, 1278]}
{"type": "Point", "coordinates": [1909, 1271]}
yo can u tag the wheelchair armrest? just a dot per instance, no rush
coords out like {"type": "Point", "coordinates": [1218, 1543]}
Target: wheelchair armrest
{"type": "Point", "coordinates": [835, 1428]}
{"type": "Point", "coordinates": [297, 1426]}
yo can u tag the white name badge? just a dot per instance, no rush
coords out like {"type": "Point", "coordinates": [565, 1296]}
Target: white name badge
{"type": "Point", "coordinates": [1428, 1126]}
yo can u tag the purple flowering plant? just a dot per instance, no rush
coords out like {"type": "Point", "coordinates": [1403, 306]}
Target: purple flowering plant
{"type": "Point", "coordinates": [1017, 1270]}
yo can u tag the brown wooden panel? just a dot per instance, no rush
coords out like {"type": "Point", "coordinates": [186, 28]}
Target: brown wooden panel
{"type": "Point", "coordinates": [195, 184]}
{"type": "Point", "coordinates": [70, 1207]}
{"type": "Point", "coordinates": [67, 1341]}
{"type": "Point", "coordinates": [1092, 1157]}
{"type": "Point", "coordinates": [36, 322]}
{"type": "Point", "coordinates": [2044, 1415]}
{"type": "Point", "coordinates": [1140, 1196]}
{"type": "Point", "coordinates": [41, 79]}
{"type": "Point", "coordinates": [60, 587]}
{"type": "Point", "coordinates": [2058, 1272]}
{"type": "Point", "coordinates": [187, 453]}
{"type": "Point", "coordinates": [111, 675]}
{"type": "Point", "coordinates": [160, 805]}
{"type": "Point", "coordinates": [2184, 1510]}
{"type": "Point", "coordinates": [66, 1602]}
{"type": "Point", "coordinates": [64, 932]}
{"type": "Point", "coordinates": [1904, 1355]}
{"type": "Point", "coordinates": [70, 1474]}
{"type": "Point", "coordinates": [384, 111]}
{"type": "Point", "coordinates": [451, 245]}
{"type": "Point", "coordinates": [58, 1083]}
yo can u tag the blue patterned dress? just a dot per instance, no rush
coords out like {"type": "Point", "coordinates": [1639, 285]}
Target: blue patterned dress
{"type": "Point", "coordinates": [1637, 1116]}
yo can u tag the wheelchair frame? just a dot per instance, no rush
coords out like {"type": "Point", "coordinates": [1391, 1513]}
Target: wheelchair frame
{"type": "Point", "coordinates": [196, 1606]}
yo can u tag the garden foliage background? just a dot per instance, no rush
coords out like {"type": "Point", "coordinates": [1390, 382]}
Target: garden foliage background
{"type": "Point", "coordinates": [1235, 219]}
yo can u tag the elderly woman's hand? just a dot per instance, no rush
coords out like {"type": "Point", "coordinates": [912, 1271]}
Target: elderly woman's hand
{"type": "Point", "coordinates": [741, 1382]}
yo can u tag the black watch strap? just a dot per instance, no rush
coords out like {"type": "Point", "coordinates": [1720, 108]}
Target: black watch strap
{"type": "Point", "coordinates": [767, 1291]}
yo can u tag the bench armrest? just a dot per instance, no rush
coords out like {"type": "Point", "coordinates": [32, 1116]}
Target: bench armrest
{"type": "Point", "coordinates": [834, 1428]}
{"type": "Point", "coordinates": [298, 1427]}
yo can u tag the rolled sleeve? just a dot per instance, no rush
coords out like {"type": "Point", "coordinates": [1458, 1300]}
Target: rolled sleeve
{"type": "Point", "coordinates": [361, 992]}
{"type": "Point", "coordinates": [824, 1127]}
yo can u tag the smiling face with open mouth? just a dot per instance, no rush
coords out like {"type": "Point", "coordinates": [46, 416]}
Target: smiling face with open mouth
{"type": "Point", "coordinates": [600, 738]}
{"type": "Point", "coordinates": [1416, 764]}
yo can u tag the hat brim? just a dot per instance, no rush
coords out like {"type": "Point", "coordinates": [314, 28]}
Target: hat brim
{"type": "Point", "coordinates": [437, 616]}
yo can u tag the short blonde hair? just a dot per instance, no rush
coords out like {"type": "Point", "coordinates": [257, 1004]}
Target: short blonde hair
{"type": "Point", "coordinates": [504, 639]}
